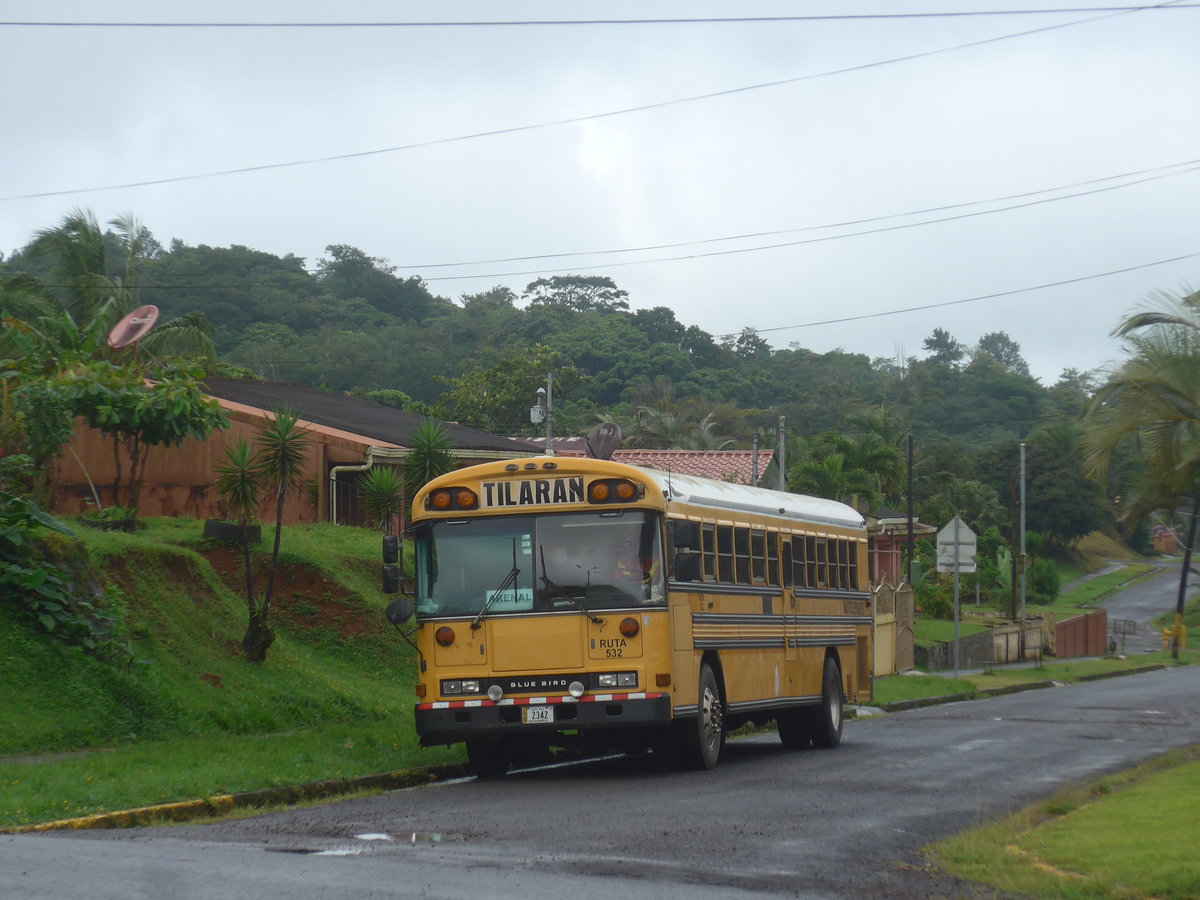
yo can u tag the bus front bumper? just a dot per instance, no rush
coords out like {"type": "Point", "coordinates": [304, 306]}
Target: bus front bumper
{"type": "Point", "coordinates": [450, 721]}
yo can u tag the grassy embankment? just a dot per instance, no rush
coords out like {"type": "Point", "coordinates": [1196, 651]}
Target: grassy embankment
{"type": "Point", "coordinates": [333, 699]}
{"type": "Point", "coordinates": [1130, 835]}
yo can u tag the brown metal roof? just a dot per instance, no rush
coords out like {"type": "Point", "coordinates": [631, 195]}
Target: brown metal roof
{"type": "Point", "coordinates": [355, 415]}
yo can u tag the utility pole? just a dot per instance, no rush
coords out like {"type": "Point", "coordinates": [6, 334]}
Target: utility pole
{"type": "Point", "coordinates": [1024, 558]}
{"type": "Point", "coordinates": [543, 411]}
{"type": "Point", "coordinates": [754, 462]}
{"type": "Point", "coordinates": [912, 545]}
{"type": "Point", "coordinates": [782, 458]}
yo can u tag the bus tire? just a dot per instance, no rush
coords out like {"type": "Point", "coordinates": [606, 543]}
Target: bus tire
{"type": "Point", "coordinates": [488, 759]}
{"type": "Point", "coordinates": [793, 728]}
{"type": "Point", "coordinates": [703, 738]}
{"type": "Point", "coordinates": [825, 721]}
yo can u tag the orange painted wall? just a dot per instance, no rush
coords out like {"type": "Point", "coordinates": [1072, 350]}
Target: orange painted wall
{"type": "Point", "coordinates": [178, 480]}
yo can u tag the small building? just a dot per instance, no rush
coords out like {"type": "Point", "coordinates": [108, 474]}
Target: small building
{"type": "Point", "coordinates": [348, 436]}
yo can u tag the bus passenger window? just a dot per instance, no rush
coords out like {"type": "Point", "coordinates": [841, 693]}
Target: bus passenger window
{"type": "Point", "coordinates": [725, 553]}
{"type": "Point", "coordinates": [819, 565]}
{"type": "Point", "coordinates": [708, 535]}
{"type": "Point", "coordinates": [854, 567]}
{"type": "Point", "coordinates": [787, 564]}
{"type": "Point", "coordinates": [741, 550]}
{"type": "Point", "coordinates": [758, 556]}
{"type": "Point", "coordinates": [772, 558]}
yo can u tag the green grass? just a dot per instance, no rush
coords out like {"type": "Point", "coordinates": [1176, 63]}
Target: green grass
{"type": "Point", "coordinates": [893, 688]}
{"type": "Point", "coordinates": [928, 631]}
{"type": "Point", "coordinates": [1095, 590]}
{"type": "Point", "coordinates": [1130, 835]}
{"type": "Point", "coordinates": [333, 699]}
{"type": "Point", "coordinates": [167, 771]}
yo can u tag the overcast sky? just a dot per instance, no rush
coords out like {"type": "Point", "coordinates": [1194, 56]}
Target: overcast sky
{"type": "Point", "coordinates": [751, 186]}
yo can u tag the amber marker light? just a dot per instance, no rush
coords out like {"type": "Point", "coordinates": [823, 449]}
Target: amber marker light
{"type": "Point", "coordinates": [626, 490]}
{"type": "Point", "coordinates": [444, 635]}
{"type": "Point", "coordinates": [440, 499]}
{"type": "Point", "coordinates": [599, 491]}
{"type": "Point", "coordinates": [420, 689]}
{"type": "Point", "coordinates": [662, 679]}
{"type": "Point", "coordinates": [629, 627]}
{"type": "Point", "coordinates": [466, 499]}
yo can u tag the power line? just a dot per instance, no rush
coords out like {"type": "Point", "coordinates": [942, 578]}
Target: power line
{"type": "Point", "coordinates": [517, 129]}
{"type": "Point", "coordinates": [1194, 165]}
{"type": "Point", "coordinates": [1015, 291]}
{"type": "Point", "coordinates": [877, 315]}
{"type": "Point", "coordinates": [705, 20]}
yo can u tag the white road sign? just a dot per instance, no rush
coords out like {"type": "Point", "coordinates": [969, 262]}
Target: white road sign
{"type": "Point", "coordinates": [956, 541]}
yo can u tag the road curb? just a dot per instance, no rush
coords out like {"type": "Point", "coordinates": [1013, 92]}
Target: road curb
{"type": "Point", "coordinates": [189, 810]}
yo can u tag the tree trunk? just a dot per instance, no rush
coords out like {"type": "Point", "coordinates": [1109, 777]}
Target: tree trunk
{"type": "Point", "coordinates": [257, 639]}
{"type": "Point", "coordinates": [1177, 629]}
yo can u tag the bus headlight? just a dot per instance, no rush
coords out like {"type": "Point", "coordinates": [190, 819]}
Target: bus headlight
{"type": "Point", "coordinates": [576, 689]}
{"type": "Point", "coordinates": [616, 679]}
{"type": "Point", "coordinates": [463, 686]}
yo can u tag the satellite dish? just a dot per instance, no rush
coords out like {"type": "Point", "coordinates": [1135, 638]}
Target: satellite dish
{"type": "Point", "coordinates": [602, 440]}
{"type": "Point", "coordinates": [133, 327]}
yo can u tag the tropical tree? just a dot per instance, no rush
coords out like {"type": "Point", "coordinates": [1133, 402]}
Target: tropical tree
{"type": "Point", "coordinates": [382, 491]}
{"type": "Point", "coordinates": [828, 475]}
{"type": "Point", "coordinates": [75, 283]}
{"type": "Point", "coordinates": [1153, 401]}
{"type": "Point", "coordinates": [279, 466]}
{"type": "Point", "coordinates": [138, 415]}
{"type": "Point", "coordinates": [428, 456]}
{"type": "Point", "coordinates": [240, 487]}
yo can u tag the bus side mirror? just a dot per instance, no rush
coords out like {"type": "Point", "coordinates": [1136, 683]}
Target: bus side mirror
{"type": "Point", "coordinates": [687, 565]}
{"type": "Point", "coordinates": [391, 549]}
{"type": "Point", "coordinates": [391, 580]}
{"type": "Point", "coordinates": [400, 611]}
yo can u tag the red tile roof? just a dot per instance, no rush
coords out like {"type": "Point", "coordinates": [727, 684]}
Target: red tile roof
{"type": "Point", "coordinates": [722, 465]}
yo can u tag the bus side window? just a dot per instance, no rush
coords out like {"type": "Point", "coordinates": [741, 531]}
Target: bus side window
{"type": "Point", "coordinates": [741, 550]}
{"type": "Point", "coordinates": [758, 556]}
{"type": "Point", "coordinates": [773, 557]}
{"type": "Point", "coordinates": [800, 561]}
{"type": "Point", "coordinates": [708, 544]}
{"type": "Point", "coordinates": [787, 563]}
{"type": "Point", "coordinates": [815, 555]}
{"type": "Point", "coordinates": [725, 554]}
{"type": "Point", "coordinates": [854, 585]}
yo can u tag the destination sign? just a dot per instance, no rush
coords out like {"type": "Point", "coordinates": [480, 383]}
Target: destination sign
{"type": "Point", "coordinates": [532, 492]}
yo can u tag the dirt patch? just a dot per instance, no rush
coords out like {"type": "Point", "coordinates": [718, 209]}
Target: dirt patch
{"type": "Point", "coordinates": [303, 596]}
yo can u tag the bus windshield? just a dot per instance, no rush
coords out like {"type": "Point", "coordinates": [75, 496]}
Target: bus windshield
{"type": "Point", "coordinates": [539, 563]}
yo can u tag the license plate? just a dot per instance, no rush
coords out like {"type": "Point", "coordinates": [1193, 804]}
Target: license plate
{"type": "Point", "coordinates": [537, 715]}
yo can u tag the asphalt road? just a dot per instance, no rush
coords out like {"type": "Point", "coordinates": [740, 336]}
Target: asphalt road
{"type": "Point", "coordinates": [1143, 602]}
{"type": "Point", "coordinates": [847, 823]}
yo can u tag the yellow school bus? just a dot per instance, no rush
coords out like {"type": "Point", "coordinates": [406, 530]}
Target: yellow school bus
{"type": "Point", "coordinates": [564, 601]}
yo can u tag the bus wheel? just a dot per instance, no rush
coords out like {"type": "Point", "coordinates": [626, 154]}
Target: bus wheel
{"type": "Point", "coordinates": [793, 728]}
{"type": "Point", "coordinates": [488, 759]}
{"type": "Point", "coordinates": [826, 719]}
{"type": "Point", "coordinates": [704, 736]}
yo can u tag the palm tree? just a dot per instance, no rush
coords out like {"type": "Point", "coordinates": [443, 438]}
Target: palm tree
{"type": "Point", "coordinates": [279, 465]}
{"type": "Point", "coordinates": [240, 487]}
{"type": "Point", "coordinates": [92, 283]}
{"type": "Point", "coordinates": [830, 476]}
{"type": "Point", "coordinates": [428, 456]}
{"type": "Point", "coordinates": [1153, 402]}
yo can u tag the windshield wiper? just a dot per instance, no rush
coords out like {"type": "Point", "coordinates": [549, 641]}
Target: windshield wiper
{"type": "Point", "coordinates": [508, 582]}
{"type": "Point", "coordinates": [562, 593]}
